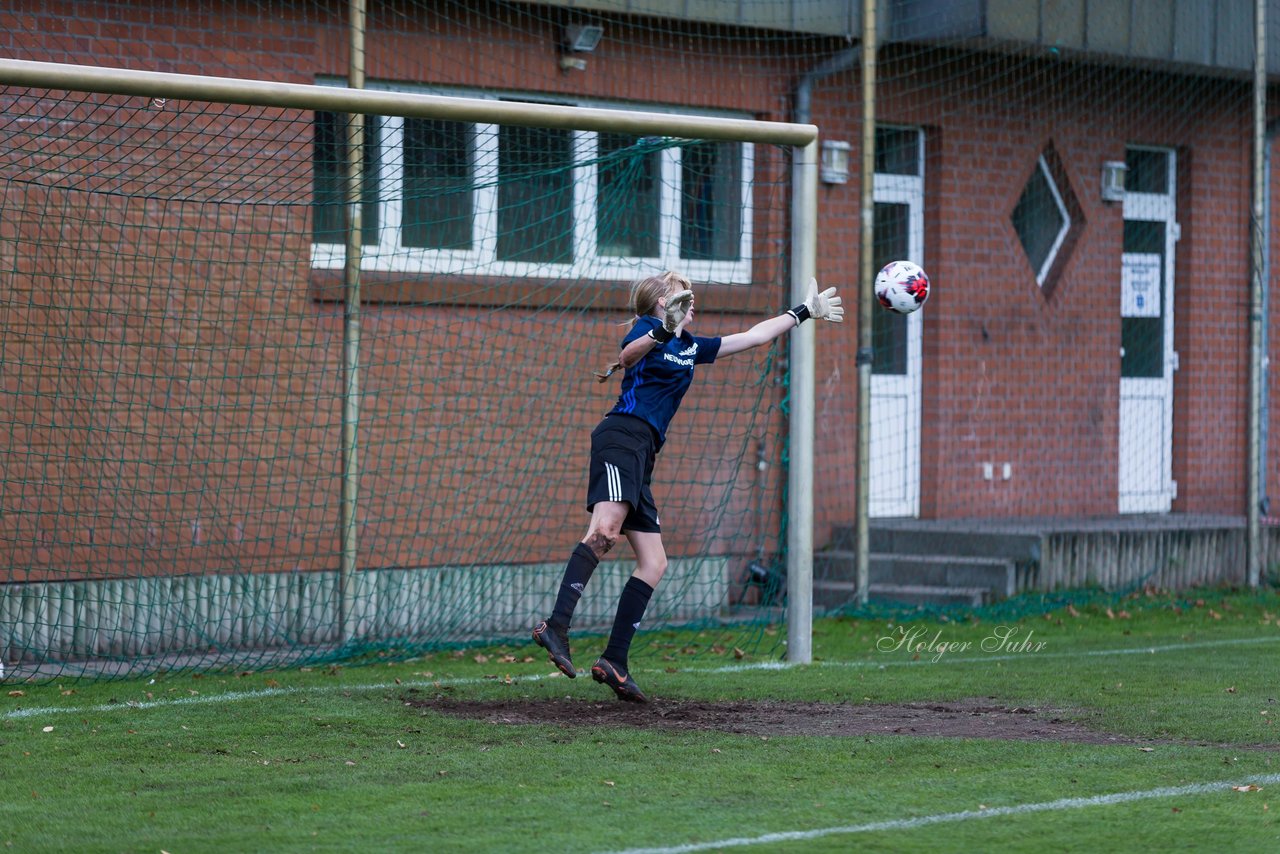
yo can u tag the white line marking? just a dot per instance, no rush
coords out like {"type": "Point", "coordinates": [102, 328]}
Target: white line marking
{"type": "Point", "coordinates": [235, 696]}
{"type": "Point", "coordinates": [967, 815]}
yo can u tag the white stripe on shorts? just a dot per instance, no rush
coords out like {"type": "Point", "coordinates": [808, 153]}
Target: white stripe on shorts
{"type": "Point", "coordinates": [615, 482]}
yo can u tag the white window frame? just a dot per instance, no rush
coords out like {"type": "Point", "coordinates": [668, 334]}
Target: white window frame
{"type": "Point", "coordinates": [481, 260]}
{"type": "Point", "coordinates": [1043, 272]}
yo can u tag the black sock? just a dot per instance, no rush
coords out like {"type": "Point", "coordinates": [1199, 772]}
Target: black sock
{"type": "Point", "coordinates": [582, 563]}
{"type": "Point", "coordinates": [631, 607]}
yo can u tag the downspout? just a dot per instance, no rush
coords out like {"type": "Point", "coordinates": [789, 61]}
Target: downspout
{"type": "Point", "coordinates": [842, 61]}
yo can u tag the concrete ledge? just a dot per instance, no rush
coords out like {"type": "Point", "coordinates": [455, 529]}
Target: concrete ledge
{"type": "Point", "coordinates": [923, 594]}
{"type": "Point", "coordinates": [1169, 551]}
{"type": "Point", "coordinates": [199, 615]}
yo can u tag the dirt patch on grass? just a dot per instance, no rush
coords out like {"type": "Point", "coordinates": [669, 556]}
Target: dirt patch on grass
{"type": "Point", "coordinates": [958, 719]}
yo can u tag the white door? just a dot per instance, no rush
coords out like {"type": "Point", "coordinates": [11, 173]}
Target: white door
{"type": "Point", "coordinates": [1147, 356]}
{"type": "Point", "coordinates": [895, 369]}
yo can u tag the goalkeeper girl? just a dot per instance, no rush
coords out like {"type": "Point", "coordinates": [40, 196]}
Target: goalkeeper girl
{"type": "Point", "coordinates": [658, 356]}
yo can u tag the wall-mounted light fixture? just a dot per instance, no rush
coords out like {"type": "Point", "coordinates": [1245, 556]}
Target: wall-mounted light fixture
{"type": "Point", "coordinates": [1113, 181]}
{"type": "Point", "coordinates": [582, 38]}
{"type": "Point", "coordinates": [834, 167]}
{"type": "Point", "coordinates": [579, 38]}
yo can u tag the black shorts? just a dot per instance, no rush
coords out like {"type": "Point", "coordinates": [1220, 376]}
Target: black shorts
{"type": "Point", "coordinates": [623, 449]}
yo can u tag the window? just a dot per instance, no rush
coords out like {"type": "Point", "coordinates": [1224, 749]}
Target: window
{"type": "Point", "coordinates": [1041, 220]}
{"type": "Point", "coordinates": [628, 201]}
{"type": "Point", "coordinates": [328, 221]}
{"type": "Point", "coordinates": [1146, 170]}
{"type": "Point", "coordinates": [711, 220]}
{"type": "Point", "coordinates": [898, 220]}
{"type": "Point", "coordinates": [438, 173]}
{"type": "Point", "coordinates": [477, 199]}
{"type": "Point", "coordinates": [535, 195]}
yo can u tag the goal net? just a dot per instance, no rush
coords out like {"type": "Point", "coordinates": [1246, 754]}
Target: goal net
{"type": "Point", "coordinates": [173, 386]}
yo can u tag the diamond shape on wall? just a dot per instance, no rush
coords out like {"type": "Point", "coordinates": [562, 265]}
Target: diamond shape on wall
{"type": "Point", "coordinates": [1046, 217]}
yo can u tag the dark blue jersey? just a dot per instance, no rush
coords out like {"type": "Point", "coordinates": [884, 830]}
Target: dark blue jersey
{"type": "Point", "coordinates": [653, 387]}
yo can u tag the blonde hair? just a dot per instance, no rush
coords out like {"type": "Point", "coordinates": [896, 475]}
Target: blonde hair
{"type": "Point", "coordinates": [643, 301]}
{"type": "Point", "coordinates": [646, 292]}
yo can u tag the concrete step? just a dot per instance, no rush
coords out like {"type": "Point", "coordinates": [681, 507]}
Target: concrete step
{"type": "Point", "coordinates": [904, 537]}
{"type": "Point", "coordinates": [836, 594]}
{"type": "Point", "coordinates": [996, 575]}
{"type": "Point", "coordinates": [928, 594]}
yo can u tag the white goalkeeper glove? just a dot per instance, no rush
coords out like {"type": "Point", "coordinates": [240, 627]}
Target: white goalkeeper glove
{"type": "Point", "coordinates": [678, 305]}
{"type": "Point", "coordinates": [673, 316]}
{"type": "Point", "coordinates": [824, 305]}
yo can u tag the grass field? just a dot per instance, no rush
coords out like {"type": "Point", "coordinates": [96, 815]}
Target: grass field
{"type": "Point", "coordinates": [1169, 706]}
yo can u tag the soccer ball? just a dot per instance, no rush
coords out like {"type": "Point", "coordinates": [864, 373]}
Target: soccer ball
{"type": "Point", "coordinates": [902, 287]}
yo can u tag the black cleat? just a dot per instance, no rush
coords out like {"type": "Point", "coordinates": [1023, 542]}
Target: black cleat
{"type": "Point", "coordinates": [556, 642]}
{"type": "Point", "coordinates": [607, 673]}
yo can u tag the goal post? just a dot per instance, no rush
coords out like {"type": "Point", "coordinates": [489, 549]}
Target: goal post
{"type": "Point", "coordinates": [55, 619]}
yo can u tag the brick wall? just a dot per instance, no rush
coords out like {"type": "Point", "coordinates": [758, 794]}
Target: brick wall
{"type": "Point", "coordinates": [134, 445]}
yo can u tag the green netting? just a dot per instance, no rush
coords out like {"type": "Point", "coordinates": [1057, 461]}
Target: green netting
{"type": "Point", "coordinates": [173, 379]}
{"type": "Point", "coordinates": [1077, 386]}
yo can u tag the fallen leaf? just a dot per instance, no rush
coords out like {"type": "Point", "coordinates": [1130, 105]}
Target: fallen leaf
{"type": "Point", "coordinates": [1146, 749]}
{"type": "Point", "coordinates": [609, 783]}
{"type": "Point", "coordinates": [17, 694]}
{"type": "Point", "coordinates": [1248, 788]}
{"type": "Point", "coordinates": [1071, 609]}
{"type": "Point", "coordinates": [738, 653]}
{"type": "Point", "coordinates": [47, 729]}
{"type": "Point", "coordinates": [399, 744]}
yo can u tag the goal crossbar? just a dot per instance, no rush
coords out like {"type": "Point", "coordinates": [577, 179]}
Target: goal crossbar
{"type": "Point", "coordinates": [266, 93]}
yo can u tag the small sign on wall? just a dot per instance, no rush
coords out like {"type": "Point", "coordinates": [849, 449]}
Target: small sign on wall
{"type": "Point", "coordinates": [1140, 284]}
